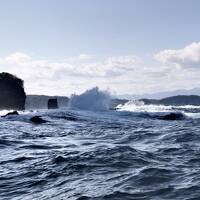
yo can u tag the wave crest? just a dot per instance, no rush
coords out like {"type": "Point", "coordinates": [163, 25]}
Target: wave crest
{"type": "Point", "coordinates": [92, 99]}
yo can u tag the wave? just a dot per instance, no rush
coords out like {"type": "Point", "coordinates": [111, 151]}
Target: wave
{"type": "Point", "coordinates": [83, 109]}
{"type": "Point", "coordinates": [139, 106]}
{"type": "Point", "coordinates": [92, 99]}
{"type": "Point", "coordinates": [4, 112]}
{"type": "Point", "coordinates": [157, 111]}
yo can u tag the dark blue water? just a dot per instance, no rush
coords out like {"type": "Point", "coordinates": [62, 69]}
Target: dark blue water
{"type": "Point", "coordinates": [99, 155]}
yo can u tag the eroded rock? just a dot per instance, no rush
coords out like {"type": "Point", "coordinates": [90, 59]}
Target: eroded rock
{"type": "Point", "coordinates": [37, 120]}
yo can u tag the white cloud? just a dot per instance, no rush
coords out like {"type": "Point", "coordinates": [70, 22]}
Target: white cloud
{"type": "Point", "coordinates": [85, 56]}
{"type": "Point", "coordinates": [121, 74]}
{"type": "Point", "coordinates": [127, 61]}
{"type": "Point", "coordinates": [15, 58]}
{"type": "Point", "coordinates": [186, 57]}
{"type": "Point", "coordinates": [43, 76]}
{"type": "Point", "coordinates": [81, 57]}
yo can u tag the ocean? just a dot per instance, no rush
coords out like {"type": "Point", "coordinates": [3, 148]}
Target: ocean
{"type": "Point", "coordinates": [123, 154]}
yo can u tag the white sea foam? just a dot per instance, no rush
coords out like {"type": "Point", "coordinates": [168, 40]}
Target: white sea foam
{"type": "Point", "coordinates": [4, 112]}
{"type": "Point", "coordinates": [139, 106]}
{"type": "Point", "coordinates": [192, 115]}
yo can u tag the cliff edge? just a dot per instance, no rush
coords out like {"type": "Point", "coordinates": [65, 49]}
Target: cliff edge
{"type": "Point", "coordinates": [12, 95]}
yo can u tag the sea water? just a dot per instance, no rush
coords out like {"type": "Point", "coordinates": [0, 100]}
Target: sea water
{"type": "Point", "coordinates": [82, 154]}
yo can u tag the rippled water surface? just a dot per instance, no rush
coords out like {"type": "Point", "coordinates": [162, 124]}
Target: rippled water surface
{"type": "Point", "coordinates": [99, 155]}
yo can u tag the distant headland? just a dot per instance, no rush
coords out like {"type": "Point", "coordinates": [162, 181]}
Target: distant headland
{"type": "Point", "coordinates": [13, 97]}
{"type": "Point", "coordinates": [179, 100]}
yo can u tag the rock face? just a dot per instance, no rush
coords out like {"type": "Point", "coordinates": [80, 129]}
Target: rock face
{"type": "Point", "coordinates": [172, 116]}
{"type": "Point", "coordinates": [12, 95]}
{"type": "Point", "coordinates": [41, 101]}
{"type": "Point", "coordinates": [52, 104]}
{"type": "Point", "coordinates": [37, 120]}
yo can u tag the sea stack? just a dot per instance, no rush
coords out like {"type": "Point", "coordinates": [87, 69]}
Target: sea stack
{"type": "Point", "coordinates": [52, 103]}
{"type": "Point", "coordinates": [12, 95]}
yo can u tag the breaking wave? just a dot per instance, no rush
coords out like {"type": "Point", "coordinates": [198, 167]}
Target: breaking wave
{"type": "Point", "coordinates": [90, 155]}
{"type": "Point", "coordinates": [92, 99]}
{"type": "Point", "coordinates": [137, 106]}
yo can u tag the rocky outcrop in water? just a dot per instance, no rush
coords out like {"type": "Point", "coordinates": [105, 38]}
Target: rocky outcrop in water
{"type": "Point", "coordinates": [37, 120]}
{"type": "Point", "coordinates": [12, 95]}
{"type": "Point", "coordinates": [172, 116]}
{"type": "Point", "coordinates": [52, 103]}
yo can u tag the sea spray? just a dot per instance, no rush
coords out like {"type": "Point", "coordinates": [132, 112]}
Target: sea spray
{"type": "Point", "coordinates": [140, 106]}
{"type": "Point", "coordinates": [92, 99]}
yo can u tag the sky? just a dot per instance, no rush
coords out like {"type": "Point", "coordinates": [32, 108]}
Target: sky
{"type": "Point", "coordinates": [60, 47]}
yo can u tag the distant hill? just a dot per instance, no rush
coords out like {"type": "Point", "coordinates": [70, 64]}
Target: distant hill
{"type": "Point", "coordinates": [179, 100]}
{"type": "Point", "coordinates": [160, 95]}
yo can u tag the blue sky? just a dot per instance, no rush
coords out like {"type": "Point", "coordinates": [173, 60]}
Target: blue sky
{"type": "Point", "coordinates": [96, 39]}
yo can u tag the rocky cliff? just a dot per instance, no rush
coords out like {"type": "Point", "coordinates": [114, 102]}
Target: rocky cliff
{"type": "Point", "coordinates": [12, 95]}
{"type": "Point", "coordinates": [53, 103]}
{"type": "Point", "coordinates": [41, 101]}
